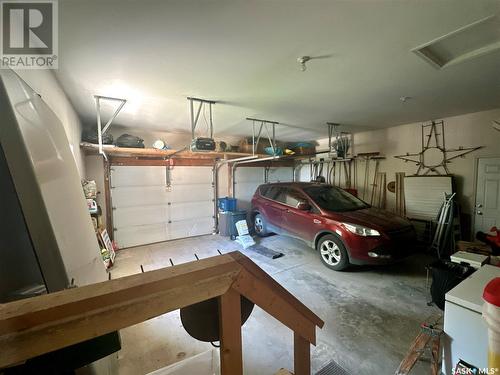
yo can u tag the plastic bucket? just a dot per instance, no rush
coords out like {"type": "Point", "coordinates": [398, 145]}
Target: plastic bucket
{"type": "Point", "coordinates": [491, 314]}
{"type": "Point", "coordinates": [227, 204]}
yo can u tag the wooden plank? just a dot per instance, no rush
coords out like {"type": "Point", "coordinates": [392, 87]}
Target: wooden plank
{"type": "Point", "coordinates": [42, 324]}
{"type": "Point", "coordinates": [231, 355]}
{"type": "Point", "coordinates": [38, 325]}
{"type": "Point", "coordinates": [270, 283]}
{"type": "Point", "coordinates": [413, 354]}
{"type": "Point", "coordinates": [301, 355]}
{"type": "Point", "coordinates": [436, 355]}
{"type": "Point", "coordinates": [155, 153]}
{"type": "Point", "coordinates": [274, 303]}
{"type": "Point", "coordinates": [124, 161]}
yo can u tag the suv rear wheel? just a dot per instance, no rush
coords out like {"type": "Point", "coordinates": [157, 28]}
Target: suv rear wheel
{"type": "Point", "coordinates": [333, 253]}
{"type": "Point", "coordinates": [260, 225]}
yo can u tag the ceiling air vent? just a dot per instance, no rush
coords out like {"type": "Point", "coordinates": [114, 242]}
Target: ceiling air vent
{"type": "Point", "coordinates": [473, 40]}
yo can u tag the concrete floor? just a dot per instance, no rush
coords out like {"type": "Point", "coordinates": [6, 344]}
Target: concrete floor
{"type": "Point", "coordinates": [371, 314]}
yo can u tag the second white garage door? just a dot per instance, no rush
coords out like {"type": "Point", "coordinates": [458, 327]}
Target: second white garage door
{"type": "Point", "coordinates": [146, 210]}
{"type": "Point", "coordinates": [249, 178]}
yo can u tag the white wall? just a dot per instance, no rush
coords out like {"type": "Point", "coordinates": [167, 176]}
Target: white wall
{"type": "Point", "coordinates": [473, 129]}
{"type": "Point", "coordinates": [45, 83]}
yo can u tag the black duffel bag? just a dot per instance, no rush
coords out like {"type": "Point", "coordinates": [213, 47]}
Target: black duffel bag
{"type": "Point", "coordinates": [90, 135]}
{"type": "Point", "coordinates": [127, 140]}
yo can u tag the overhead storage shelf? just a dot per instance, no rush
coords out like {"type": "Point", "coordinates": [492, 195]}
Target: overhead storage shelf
{"type": "Point", "coordinates": [114, 151]}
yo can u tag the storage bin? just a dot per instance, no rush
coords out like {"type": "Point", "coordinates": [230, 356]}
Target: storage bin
{"type": "Point", "coordinates": [445, 276]}
{"type": "Point", "coordinates": [227, 204]}
{"type": "Point", "coordinates": [227, 222]}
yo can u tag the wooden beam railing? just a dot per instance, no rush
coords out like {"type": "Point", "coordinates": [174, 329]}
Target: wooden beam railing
{"type": "Point", "coordinates": [39, 325]}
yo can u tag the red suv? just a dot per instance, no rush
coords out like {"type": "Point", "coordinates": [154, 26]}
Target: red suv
{"type": "Point", "coordinates": [344, 229]}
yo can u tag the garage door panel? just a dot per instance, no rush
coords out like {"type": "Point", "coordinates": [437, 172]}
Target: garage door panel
{"type": "Point", "coordinates": [250, 174]}
{"type": "Point", "coordinates": [189, 228]}
{"type": "Point", "coordinates": [138, 176]}
{"type": "Point", "coordinates": [140, 215]}
{"type": "Point", "coordinates": [191, 175]}
{"type": "Point", "coordinates": [191, 210]}
{"type": "Point", "coordinates": [189, 193]}
{"type": "Point", "coordinates": [247, 179]}
{"type": "Point", "coordinates": [139, 196]}
{"type": "Point", "coordinates": [146, 211]}
{"type": "Point", "coordinates": [140, 235]}
{"type": "Point", "coordinates": [281, 174]}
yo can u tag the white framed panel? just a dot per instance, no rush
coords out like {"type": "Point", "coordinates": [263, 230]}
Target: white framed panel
{"type": "Point", "coordinates": [146, 210]}
{"type": "Point", "coordinates": [190, 210]}
{"type": "Point", "coordinates": [139, 196]}
{"type": "Point", "coordinates": [280, 174]}
{"type": "Point", "coordinates": [140, 234]}
{"type": "Point", "coordinates": [138, 176]}
{"type": "Point", "coordinates": [190, 228]}
{"type": "Point", "coordinates": [191, 175]}
{"type": "Point", "coordinates": [190, 193]}
{"type": "Point", "coordinates": [247, 179]}
{"type": "Point", "coordinates": [140, 215]}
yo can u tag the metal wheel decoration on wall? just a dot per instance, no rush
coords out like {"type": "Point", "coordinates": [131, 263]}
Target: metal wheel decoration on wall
{"type": "Point", "coordinates": [435, 157]}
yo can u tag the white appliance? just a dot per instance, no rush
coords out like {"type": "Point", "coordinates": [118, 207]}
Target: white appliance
{"type": "Point", "coordinates": [466, 333]}
{"type": "Point", "coordinates": [471, 259]}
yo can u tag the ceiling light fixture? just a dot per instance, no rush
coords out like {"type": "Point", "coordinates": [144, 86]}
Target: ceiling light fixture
{"type": "Point", "coordinates": [302, 61]}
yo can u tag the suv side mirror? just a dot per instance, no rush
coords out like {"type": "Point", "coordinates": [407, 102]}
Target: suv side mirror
{"type": "Point", "coordinates": [303, 206]}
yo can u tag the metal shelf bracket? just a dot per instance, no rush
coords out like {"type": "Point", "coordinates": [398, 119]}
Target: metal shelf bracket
{"type": "Point", "coordinates": [101, 130]}
{"type": "Point", "coordinates": [269, 127]}
{"type": "Point", "coordinates": [201, 106]}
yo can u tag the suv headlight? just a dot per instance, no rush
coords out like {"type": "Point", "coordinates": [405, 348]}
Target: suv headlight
{"type": "Point", "coordinates": [361, 230]}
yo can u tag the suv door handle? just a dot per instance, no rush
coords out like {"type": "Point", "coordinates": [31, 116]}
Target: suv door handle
{"type": "Point", "coordinates": [316, 221]}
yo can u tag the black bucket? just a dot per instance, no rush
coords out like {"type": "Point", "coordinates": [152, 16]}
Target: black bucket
{"type": "Point", "coordinates": [445, 276]}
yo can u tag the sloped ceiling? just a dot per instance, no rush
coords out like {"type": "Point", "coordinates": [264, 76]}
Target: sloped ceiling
{"type": "Point", "coordinates": [243, 54]}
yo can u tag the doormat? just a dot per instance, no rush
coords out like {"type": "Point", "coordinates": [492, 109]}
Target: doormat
{"type": "Point", "coordinates": [262, 250]}
{"type": "Point", "coordinates": [332, 368]}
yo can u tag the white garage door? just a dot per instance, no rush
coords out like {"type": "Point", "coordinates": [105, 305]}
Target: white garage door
{"type": "Point", "coordinates": [248, 178]}
{"type": "Point", "coordinates": [145, 210]}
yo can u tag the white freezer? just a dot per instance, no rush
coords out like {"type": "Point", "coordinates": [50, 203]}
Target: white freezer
{"type": "Point", "coordinates": [466, 333]}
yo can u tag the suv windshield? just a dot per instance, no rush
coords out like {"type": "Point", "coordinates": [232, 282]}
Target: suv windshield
{"type": "Point", "coordinates": [334, 199]}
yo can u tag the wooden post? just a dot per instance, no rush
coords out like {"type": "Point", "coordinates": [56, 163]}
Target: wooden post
{"type": "Point", "coordinates": [301, 355]}
{"type": "Point", "coordinates": [231, 356]}
{"type": "Point", "coordinates": [107, 199]}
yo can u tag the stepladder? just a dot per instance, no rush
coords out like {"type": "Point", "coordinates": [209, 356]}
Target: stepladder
{"type": "Point", "coordinates": [427, 341]}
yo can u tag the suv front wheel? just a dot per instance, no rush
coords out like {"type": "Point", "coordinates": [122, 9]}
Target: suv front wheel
{"type": "Point", "coordinates": [333, 253]}
{"type": "Point", "coordinates": [260, 225]}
